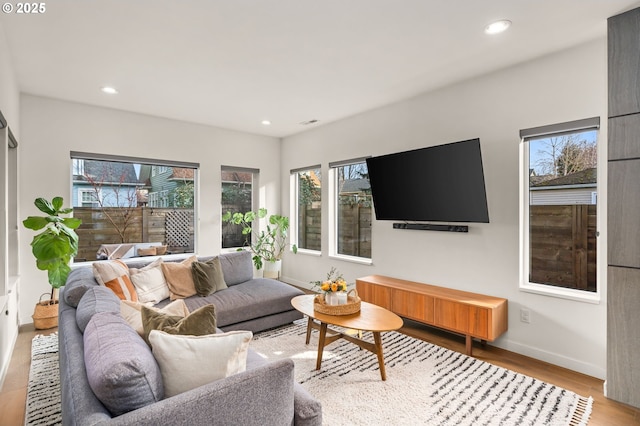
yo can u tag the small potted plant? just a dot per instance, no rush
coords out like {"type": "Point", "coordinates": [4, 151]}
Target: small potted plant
{"type": "Point", "coordinates": [53, 249]}
{"type": "Point", "coordinates": [268, 245]}
{"type": "Point", "coordinates": [334, 288]}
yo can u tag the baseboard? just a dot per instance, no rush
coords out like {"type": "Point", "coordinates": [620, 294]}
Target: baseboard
{"type": "Point", "coordinates": [553, 358]}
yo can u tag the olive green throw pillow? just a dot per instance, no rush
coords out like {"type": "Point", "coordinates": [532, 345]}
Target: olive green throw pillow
{"type": "Point", "coordinates": [200, 322]}
{"type": "Point", "coordinates": [208, 277]}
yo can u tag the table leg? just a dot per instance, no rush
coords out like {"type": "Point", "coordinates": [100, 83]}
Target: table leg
{"type": "Point", "coordinates": [309, 324]}
{"type": "Point", "coordinates": [378, 343]}
{"type": "Point", "coordinates": [323, 334]}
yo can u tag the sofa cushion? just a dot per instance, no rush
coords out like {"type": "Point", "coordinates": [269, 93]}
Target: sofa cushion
{"type": "Point", "coordinates": [237, 267]}
{"type": "Point", "coordinates": [198, 323]}
{"type": "Point", "coordinates": [149, 282]}
{"type": "Point", "coordinates": [132, 312]}
{"type": "Point", "coordinates": [96, 299]}
{"type": "Point", "coordinates": [208, 277]}
{"type": "Point", "coordinates": [78, 281]}
{"type": "Point", "coordinates": [121, 370]}
{"type": "Point", "coordinates": [202, 359]}
{"type": "Point", "coordinates": [115, 275]}
{"type": "Point", "coordinates": [179, 278]}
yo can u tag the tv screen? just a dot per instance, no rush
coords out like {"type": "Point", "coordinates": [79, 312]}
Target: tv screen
{"type": "Point", "coordinates": [442, 183]}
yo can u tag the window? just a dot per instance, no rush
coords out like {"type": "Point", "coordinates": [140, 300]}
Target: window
{"type": "Point", "coordinates": [121, 201]}
{"type": "Point", "coordinates": [351, 210]}
{"type": "Point", "coordinates": [559, 210]}
{"type": "Point", "coordinates": [238, 185]}
{"type": "Point", "coordinates": [307, 212]}
{"type": "Point", "coordinates": [88, 197]}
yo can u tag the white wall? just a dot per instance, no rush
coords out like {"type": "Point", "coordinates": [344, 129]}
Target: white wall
{"type": "Point", "coordinates": [566, 86]}
{"type": "Point", "coordinates": [53, 128]}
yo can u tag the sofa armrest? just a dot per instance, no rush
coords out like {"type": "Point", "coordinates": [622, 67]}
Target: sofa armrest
{"type": "Point", "coordinates": [307, 409]}
{"type": "Point", "coordinates": [259, 396]}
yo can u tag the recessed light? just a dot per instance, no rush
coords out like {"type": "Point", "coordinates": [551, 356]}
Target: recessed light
{"type": "Point", "coordinates": [109, 90]}
{"type": "Point", "coordinates": [497, 27]}
{"type": "Point", "coordinates": [266, 122]}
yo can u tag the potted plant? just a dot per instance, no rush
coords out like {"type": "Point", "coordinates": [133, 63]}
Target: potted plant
{"type": "Point", "coordinates": [53, 249]}
{"type": "Point", "coordinates": [268, 246]}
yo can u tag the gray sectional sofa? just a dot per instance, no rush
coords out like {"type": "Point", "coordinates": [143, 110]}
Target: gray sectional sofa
{"type": "Point", "coordinates": [265, 394]}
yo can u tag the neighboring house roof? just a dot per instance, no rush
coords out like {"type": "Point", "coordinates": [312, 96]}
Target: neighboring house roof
{"type": "Point", "coordinates": [354, 186]}
{"type": "Point", "coordinates": [233, 176]}
{"type": "Point", "coordinates": [586, 177]}
{"type": "Point", "coordinates": [107, 172]}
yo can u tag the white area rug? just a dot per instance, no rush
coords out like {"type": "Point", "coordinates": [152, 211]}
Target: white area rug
{"type": "Point", "coordinates": [426, 384]}
{"type": "Point", "coordinates": [43, 391]}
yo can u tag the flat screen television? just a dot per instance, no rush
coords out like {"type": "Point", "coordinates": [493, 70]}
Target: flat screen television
{"type": "Point", "coordinates": [443, 183]}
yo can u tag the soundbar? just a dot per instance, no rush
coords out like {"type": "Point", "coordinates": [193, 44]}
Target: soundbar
{"type": "Point", "coordinates": [431, 227]}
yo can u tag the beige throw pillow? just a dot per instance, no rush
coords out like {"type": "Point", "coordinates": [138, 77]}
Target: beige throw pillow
{"type": "Point", "coordinates": [179, 278]}
{"type": "Point", "coordinates": [150, 283]}
{"type": "Point", "coordinates": [115, 275]}
{"type": "Point", "coordinates": [132, 312]}
{"type": "Point", "coordinates": [201, 360]}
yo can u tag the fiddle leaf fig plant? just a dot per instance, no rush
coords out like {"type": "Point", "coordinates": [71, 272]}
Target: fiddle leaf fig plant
{"type": "Point", "coordinates": [269, 244]}
{"type": "Point", "coordinates": [57, 244]}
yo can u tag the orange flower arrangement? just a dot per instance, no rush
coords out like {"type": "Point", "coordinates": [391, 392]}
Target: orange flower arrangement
{"type": "Point", "coordinates": [333, 283]}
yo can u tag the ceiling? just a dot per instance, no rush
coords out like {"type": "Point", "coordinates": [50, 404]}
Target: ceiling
{"type": "Point", "coordinates": [235, 63]}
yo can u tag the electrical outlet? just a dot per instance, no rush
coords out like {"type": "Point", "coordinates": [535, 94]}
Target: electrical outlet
{"type": "Point", "coordinates": [525, 315]}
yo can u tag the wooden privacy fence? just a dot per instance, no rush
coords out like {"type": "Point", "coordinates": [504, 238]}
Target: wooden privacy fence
{"type": "Point", "coordinates": [170, 226]}
{"type": "Point", "coordinates": [562, 245]}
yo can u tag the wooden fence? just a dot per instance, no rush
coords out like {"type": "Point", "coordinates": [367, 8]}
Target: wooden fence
{"type": "Point", "coordinates": [562, 245]}
{"type": "Point", "coordinates": [146, 224]}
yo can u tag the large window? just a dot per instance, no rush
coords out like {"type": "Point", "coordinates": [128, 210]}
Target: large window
{"type": "Point", "coordinates": [307, 212]}
{"type": "Point", "coordinates": [559, 208]}
{"type": "Point", "coordinates": [122, 202]}
{"type": "Point", "coordinates": [238, 185]}
{"type": "Point", "coordinates": [351, 210]}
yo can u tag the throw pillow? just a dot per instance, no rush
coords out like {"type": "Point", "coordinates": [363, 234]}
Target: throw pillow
{"type": "Point", "coordinates": [179, 278]}
{"type": "Point", "coordinates": [149, 282]}
{"type": "Point", "coordinates": [202, 359]}
{"type": "Point", "coordinates": [198, 323]}
{"type": "Point", "coordinates": [96, 299]}
{"type": "Point", "coordinates": [115, 275]}
{"type": "Point", "coordinates": [132, 312]}
{"type": "Point", "coordinates": [121, 370]}
{"type": "Point", "coordinates": [208, 277]}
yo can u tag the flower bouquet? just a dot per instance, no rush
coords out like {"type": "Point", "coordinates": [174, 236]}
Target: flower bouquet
{"type": "Point", "coordinates": [334, 288]}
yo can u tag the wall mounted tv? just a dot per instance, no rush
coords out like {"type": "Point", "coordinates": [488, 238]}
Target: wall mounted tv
{"type": "Point", "coordinates": [443, 183]}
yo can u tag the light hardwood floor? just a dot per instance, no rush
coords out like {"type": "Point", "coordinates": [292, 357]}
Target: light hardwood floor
{"type": "Point", "coordinates": [605, 412]}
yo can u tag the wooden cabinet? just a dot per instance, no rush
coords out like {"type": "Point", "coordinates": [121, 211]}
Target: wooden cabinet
{"type": "Point", "coordinates": [474, 315]}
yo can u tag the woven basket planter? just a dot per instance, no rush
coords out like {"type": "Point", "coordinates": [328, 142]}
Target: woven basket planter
{"type": "Point", "coordinates": [45, 314]}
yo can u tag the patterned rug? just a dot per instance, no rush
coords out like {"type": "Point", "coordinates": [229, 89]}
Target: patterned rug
{"type": "Point", "coordinates": [43, 391]}
{"type": "Point", "coordinates": [426, 384]}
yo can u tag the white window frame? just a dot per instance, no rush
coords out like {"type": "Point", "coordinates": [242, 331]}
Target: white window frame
{"type": "Point", "coordinates": [294, 189]}
{"type": "Point", "coordinates": [549, 290]}
{"type": "Point", "coordinates": [82, 191]}
{"type": "Point", "coordinates": [333, 213]}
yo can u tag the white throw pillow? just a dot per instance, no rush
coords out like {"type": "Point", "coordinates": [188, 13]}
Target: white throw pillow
{"type": "Point", "coordinates": [150, 283]}
{"type": "Point", "coordinates": [187, 362]}
{"type": "Point", "coordinates": [132, 312]}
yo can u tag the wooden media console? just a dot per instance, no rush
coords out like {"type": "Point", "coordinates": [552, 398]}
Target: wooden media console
{"type": "Point", "coordinates": [474, 315]}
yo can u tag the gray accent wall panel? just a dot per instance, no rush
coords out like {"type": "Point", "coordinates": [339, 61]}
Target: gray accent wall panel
{"type": "Point", "coordinates": [624, 137]}
{"type": "Point", "coordinates": [624, 214]}
{"type": "Point", "coordinates": [623, 315]}
{"type": "Point", "coordinates": [624, 75]}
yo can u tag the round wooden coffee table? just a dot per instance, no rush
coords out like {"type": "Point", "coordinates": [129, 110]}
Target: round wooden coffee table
{"type": "Point", "coordinates": [371, 318]}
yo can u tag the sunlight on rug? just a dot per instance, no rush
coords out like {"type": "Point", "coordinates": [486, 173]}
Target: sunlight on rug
{"type": "Point", "coordinates": [43, 390]}
{"type": "Point", "coordinates": [426, 384]}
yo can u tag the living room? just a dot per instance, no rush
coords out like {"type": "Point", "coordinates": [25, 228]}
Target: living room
{"type": "Point", "coordinates": [537, 89]}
